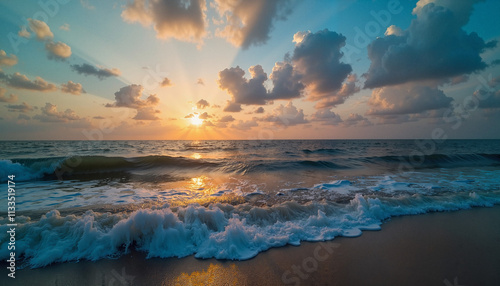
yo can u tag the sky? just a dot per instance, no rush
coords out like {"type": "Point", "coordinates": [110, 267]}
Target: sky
{"type": "Point", "coordinates": [249, 69]}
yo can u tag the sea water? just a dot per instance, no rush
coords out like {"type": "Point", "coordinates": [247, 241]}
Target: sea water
{"type": "Point", "coordinates": [228, 199]}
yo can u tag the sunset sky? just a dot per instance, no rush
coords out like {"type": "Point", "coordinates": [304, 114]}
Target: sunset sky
{"type": "Point", "coordinates": [245, 69]}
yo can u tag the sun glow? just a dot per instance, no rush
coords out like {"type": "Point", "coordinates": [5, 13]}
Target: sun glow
{"type": "Point", "coordinates": [196, 121]}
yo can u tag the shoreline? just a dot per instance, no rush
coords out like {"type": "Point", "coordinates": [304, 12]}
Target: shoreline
{"type": "Point", "coordinates": [443, 248]}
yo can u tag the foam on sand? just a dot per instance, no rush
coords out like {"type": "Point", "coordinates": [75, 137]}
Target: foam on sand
{"type": "Point", "coordinates": [221, 231]}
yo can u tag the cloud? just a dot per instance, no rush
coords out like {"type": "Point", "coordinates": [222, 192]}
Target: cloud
{"type": "Point", "coordinates": [287, 115]}
{"type": "Point", "coordinates": [131, 96]}
{"type": "Point", "coordinates": [461, 9]}
{"type": "Point", "coordinates": [244, 91]}
{"type": "Point", "coordinates": [190, 115]}
{"type": "Point", "coordinates": [64, 27]}
{"type": "Point", "coordinates": [50, 114]}
{"type": "Point", "coordinates": [434, 47]}
{"type": "Point", "coordinates": [232, 107]}
{"type": "Point", "coordinates": [286, 82]}
{"type": "Point", "coordinates": [41, 29]}
{"type": "Point", "coordinates": [24, 33]}
{"type": "Point", "coordinates": [227, 118]}
{"type": "Point", "coordinates": [147, 113]}
{"type": "Point", "coordinates": [260, 109]}
{"type": "Point", "coordinates": [326, 117]}
{"type": "Point", "coordinates": [253, 91]}
{"type": "Point", "coordinates": [23, 107]}
{"type": "Point", "coordinates": [249, 22]}
{"type": "Point", "coordinates": [7, 60]}
{"type": "Point", "coordinates": [23, 117]}
{"type": "Point", "coordinates": [406, 99]}
{"type": "Point", "coordinates": [10, 99]}
{"type": "Point", "coordinates": [202, 104]}
{"type": "Point", "coordinates": [348, 88]}
{"type": "Point", "coordinates": [204, 115]}
{"type": "Point", "coordinates": [459, 79]}
{"type": "Point", "coordinates": [393, 30]}
{"type": "Point", "coordinates": [58, 51]}
{"type": "Point", "coordinates": [244, 125]}
{"type": "Point", "coordinates": [356, 119]}
{"type": "Point", "coordinates": [21, 81]}
{"type": "Point", "coordinates": [317, 57]}
{"type": "Point", "coordinates": [166, 82]}
{"type": "Point", "coordinates": [200, 81]}
{"type": "Point", "coordinates": [487, 99]}
{"type": "Point", "coordinates": [100, 73]}
{"type": "Point", "coordinates": [73, 88]}
{"type": "Point", "coordinates": [178, 19]}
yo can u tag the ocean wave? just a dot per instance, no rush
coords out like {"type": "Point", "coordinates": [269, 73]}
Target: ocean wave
{"type": "Point", "coordinates": [95, 167]}
{"type": "Point", "coordinates": [218, 231]}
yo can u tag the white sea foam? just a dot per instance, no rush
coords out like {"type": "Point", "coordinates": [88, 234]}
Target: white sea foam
{"type": "Point", "coordinates": [222, 231]}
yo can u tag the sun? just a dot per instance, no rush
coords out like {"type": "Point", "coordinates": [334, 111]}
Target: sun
{"type": "Point", "coordinates": [196, 121]}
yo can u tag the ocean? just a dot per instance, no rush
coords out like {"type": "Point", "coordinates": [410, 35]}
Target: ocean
{"type": "Point", "coordinates": [91, 200]}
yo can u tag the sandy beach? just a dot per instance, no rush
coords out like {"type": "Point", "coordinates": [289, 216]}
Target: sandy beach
{"type": "Point", "coordinates": [450, 248]}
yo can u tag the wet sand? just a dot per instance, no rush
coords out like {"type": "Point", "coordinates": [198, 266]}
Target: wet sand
{"type": "Point", "coordinates": [451, 248]}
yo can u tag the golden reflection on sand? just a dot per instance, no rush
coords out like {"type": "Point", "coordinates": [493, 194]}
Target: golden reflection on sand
{"type": "Point", "coordinates": [214, 275]}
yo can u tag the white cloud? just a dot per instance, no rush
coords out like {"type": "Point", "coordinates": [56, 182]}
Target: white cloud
{"type": "Point", "coordinates": [41, 29]}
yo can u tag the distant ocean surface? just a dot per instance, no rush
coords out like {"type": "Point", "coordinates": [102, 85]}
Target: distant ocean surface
{"type": "Point", "coordinates": [228, 199]}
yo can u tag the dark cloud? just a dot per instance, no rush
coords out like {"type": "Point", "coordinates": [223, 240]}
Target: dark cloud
{"type": "Point", "coordinates": [487, 99]}
{"type": "Point", "coordinates": [286, 82]}
{"type": "Point", "coordinates": [72, 87]}
{"type": "Point", "coordinates": [227, 118]}
{"type": "Point", "coordinates": [200, 81]}
{"type": "Point", "coordinates": [232, 107]}
{"type": "Point", "coordinates": [249, 22]}
{"type": "Point", "coordinates": [260, 109]}
{"type": "Point", "coordinates": [166, 82]}
{"type": "Point", "coordinates": [253, 91]}
{"type": "Point", "coordinates": [326, 117]}
{"type": "Point", "coordinates": [459, 79]}
{"type": "Point", "coordinates": [182, 20]}
{"type": "Point", "coordinates": [315, 66]}
{"type": "Point", "coordinates": [23, 107]}
{"type": "Point", "coordinates": [245, 91]}
{"type": "Point", "coordinates": [204, 115]}
{"type": "Point", "coordinates": [434, 47]}
{"type": "Point", "coordinates": [407, 99]}
{"type": "Point", "coordinates": [495, 62]}
{"type": "Point", "coordinates": [23, 117]}
{"type": "Point", "coordinates": [317, 57]}
{"type": "Point", "coordinates": [21, 81]}
{"type": "Point", "coordinates": [131, 96]}
{"type": "Point", "coordinates": [356, 119]}
{"type": "Point", "coordinates": [202, 104]}
{"type": "Point", "coordinates": [50, 114]}
{"type": "Point", "coordinates": [100, 73]}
